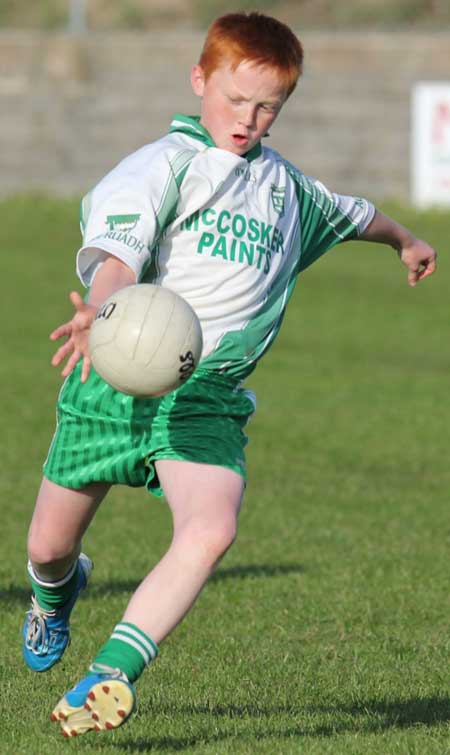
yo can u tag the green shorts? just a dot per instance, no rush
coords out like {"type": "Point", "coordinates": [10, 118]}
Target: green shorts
{"type": "Point", "coordinates": [104, 436]}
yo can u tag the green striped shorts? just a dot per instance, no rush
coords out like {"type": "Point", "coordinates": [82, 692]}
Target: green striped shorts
{"type": "Point", "coordinates": [104, 436]}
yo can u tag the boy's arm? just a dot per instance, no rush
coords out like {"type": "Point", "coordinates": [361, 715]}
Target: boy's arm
{"type": "Point", "coordinates": [418, 256]}
{"type": "Point", "coordinates": [112, 275]}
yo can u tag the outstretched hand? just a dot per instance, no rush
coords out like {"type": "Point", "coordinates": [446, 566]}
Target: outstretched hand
{"type": "Point", "coordinates": [420, 259]}
{"type": "Point", "coordinates": [76, 332]}
{"type": "Point", "coordinates": [418, 256]}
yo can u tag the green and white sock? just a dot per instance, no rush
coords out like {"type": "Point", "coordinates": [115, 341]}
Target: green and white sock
{"type": "Point", "coordinates": [51, 595]}
{"type": "Point", "coordinates": [128, 649]}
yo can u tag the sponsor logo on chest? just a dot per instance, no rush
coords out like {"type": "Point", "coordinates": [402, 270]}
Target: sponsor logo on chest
{"type": "Point", "coordinates": [235, 237]}
{"type": "Point", "coordinates": [277, 195]}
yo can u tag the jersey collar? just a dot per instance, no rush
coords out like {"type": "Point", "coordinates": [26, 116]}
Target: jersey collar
{"type": "Point", "coordinates": [191, 126]}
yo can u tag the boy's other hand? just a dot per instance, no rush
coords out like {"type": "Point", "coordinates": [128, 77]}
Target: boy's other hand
{"type": "Point", "coordinates": [76, 332]}
{"type": "Point", "coordinates": [418, 256]}
{"type": "Point", "coordinates": [420, 259]}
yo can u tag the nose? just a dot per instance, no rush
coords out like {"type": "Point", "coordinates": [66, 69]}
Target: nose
{"type": "Point", "coordinates": [247, 116]}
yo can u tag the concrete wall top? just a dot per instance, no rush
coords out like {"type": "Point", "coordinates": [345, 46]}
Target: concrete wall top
{"type": "Point", "coordinates": [70, 107]}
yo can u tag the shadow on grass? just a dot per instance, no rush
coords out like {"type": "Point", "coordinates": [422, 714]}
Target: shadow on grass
{"type": "Point", "coordinates": [399, 713]}
{"type": "Point", "coordinates": [364, 717]}
{"type": "Point", "coordinates": [256, 570]}
{"type": "Point", "coordinates": [425, 710]}
{"type": "Point", "coordinates": [21, 594]}
{"type": "Point", "coordinates": [15, 594]}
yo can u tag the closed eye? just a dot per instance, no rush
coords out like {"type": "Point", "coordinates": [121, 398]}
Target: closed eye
{"type": "Point", "coordinates": [270, 107]}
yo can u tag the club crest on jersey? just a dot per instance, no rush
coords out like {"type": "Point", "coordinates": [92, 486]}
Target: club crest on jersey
{"type": "Point", "coordinates": [122, 223]}
{"type": "Point", "coordinates": [277, 194]}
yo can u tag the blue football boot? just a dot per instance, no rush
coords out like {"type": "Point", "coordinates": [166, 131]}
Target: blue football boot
{"type": "Point", "coordinates": [46, 634]}
{"type": "Point", "coordinates": [104, 700]}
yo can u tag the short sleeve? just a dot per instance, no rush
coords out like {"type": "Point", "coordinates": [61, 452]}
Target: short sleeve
{"type": "Point", "coordinates": [119, 224]}
{"type": "Point", "coordinates": [128, 211]}
{"type": "Point", "coordinates": [327, 219]}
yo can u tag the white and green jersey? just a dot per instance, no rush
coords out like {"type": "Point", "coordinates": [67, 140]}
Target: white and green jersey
{"type": "Point", "coordinates": [228, 233]}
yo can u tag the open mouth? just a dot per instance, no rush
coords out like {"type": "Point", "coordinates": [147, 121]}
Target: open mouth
{"type": "Point", "coordinates": [240, 140]}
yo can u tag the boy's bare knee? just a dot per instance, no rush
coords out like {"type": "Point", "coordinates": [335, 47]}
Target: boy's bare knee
{"type": "Point", "coordinates": [45, 554]}
{"type": "Point", "coordinates": [209, 539]}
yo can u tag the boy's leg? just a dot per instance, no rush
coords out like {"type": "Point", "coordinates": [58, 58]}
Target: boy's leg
{"type": "Point", "coordinates": [60, 518]}
{"type": "Point", "coordinates": [205, 502]}
{"type": "Point", "coordinates": [57, 571]}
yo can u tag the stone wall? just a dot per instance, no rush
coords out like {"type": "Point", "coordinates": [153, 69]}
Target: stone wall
{"type": "Point", "coordinates": [71, 108]}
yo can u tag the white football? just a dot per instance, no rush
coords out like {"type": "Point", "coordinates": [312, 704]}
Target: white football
{"type": "Point", "coordinates": [145, 340]}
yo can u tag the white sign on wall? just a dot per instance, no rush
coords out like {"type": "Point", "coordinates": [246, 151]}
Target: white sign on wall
{"type": "Point", "coordinates": [430, 169]}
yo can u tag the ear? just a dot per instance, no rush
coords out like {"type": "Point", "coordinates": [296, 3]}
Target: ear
{"type": "Point", "coordinates": [197, 80]}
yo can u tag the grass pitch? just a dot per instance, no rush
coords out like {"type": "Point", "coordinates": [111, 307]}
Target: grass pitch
{"type": "Point", "coordinates": [326, 628]}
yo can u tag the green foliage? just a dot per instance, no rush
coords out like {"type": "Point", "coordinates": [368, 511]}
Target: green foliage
{"type": "Point", "coordinates": [385, 13]}
{"type": "Point", "coordinates": [205, 11]}
{"type": "Point", "coordinates": [46, 14]}
{"type": "Point", "coordinates": [150, 14]}
{"type": "Point", "coordinates": [326, 628]}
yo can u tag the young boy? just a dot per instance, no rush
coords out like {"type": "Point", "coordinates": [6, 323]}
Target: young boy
{"type": "Point", "coordinates": [228, 224]}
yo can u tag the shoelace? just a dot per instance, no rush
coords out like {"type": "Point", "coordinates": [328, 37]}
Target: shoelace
{"type": "Point", "coordinates": [114, 673]}
{"type": "Point", "coordinates": [37, 627]}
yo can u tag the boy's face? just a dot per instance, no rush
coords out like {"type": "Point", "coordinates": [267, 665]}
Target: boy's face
{"type": "Point", "coordinates": [239, 106]}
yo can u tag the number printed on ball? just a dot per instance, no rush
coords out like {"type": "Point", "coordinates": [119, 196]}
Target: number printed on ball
{"type": "Point", "coordinates": [145, 341]}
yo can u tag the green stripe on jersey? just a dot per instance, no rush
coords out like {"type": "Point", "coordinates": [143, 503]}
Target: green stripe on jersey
{"type": "Point", "coordinates": [239, 351]}
{"type": "Point", "coordinates": [323, 224]}
{"type": "Point", "coordinates": [167, 210]}
{"type": "Point", "coordinates": [85, 210]}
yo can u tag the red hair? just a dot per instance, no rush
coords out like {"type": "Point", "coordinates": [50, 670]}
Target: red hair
{"type": "Point", "coordinates": [254, 37]}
